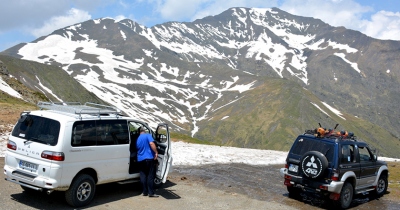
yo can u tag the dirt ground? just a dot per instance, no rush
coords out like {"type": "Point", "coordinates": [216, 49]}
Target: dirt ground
{"type": "Point", "coordinates": [233, 186]}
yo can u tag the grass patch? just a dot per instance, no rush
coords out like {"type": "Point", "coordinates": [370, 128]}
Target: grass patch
{"type": "Point", "coordinates": [185, 138]}
{"type": "Point", "coordinates": [394, 180]}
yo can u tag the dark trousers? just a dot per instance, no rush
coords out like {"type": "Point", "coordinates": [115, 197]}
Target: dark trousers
{"type": "Point", "coordinates": [147, 174]}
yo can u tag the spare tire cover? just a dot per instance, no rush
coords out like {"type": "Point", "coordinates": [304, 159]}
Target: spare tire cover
{"type": "Point", "coordinates": [313, 164]}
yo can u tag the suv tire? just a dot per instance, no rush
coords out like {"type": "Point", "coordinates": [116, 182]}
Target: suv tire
{"type": "Point", "coordinates": [81, 191]}
{"type": "Point", "coordinates": [382, 186]}
{"type": "Point", "coordinates": [313, 164]}
{"type": "Point", "coordinates": [346, 196]}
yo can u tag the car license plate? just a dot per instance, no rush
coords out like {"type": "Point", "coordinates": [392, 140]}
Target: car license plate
{"type": "Point", "coordinates": [27, 165]}
{"type": "Point", "coordinates": [293, 168]}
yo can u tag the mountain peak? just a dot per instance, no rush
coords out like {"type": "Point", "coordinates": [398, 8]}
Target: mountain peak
{"type": "Point", "coordinates": [183, 72]}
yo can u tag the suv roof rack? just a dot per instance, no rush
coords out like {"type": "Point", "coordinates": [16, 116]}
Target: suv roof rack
{"type": "Point", "coordinates": [79, 109]}
{"type": "Point", "coordinates": [331, 133]}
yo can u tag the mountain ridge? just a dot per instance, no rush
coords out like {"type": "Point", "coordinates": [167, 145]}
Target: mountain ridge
{"type": "Point", "coordinates": [181, 72]}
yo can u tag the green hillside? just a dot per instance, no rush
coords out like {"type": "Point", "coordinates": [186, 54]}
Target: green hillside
{"type": "Point", "coordinates": [273, 114]}
{"type": "Point", "coordinates": [30, 73]}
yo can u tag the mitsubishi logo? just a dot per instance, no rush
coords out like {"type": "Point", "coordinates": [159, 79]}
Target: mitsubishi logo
{"type": "Point", "coordinates": [311, 163]}
{"type": "Point", "coordinates": [312, 166]}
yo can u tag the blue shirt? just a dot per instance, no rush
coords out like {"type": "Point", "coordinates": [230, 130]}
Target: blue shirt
{"type": "Point", "coordinates": [144, 150]}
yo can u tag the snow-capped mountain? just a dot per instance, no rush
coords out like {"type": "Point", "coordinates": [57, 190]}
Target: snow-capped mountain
{"type": "Point", "coordinates": [183, 73]}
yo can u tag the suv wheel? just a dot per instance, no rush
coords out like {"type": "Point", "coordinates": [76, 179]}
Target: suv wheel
{"type": "Point", "coordinates": [313, 164]}
{"type": "Point", "coordinates": [382, 185]}
{"type": "Point", "coordinates": [81, 191]}
{"type": "Point", "coordinates": [346, 196]}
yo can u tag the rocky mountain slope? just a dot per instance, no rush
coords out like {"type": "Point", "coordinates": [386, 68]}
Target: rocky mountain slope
{"type": "Point", "coordinates": [246, 77]}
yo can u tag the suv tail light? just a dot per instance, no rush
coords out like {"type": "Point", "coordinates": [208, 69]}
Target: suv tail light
{"type": "Point", "coordinates": [58, 156]}
{"type": "Point", "coordinates": [335, 175]}
{"type": "Point", "coordinates": [11, 145]}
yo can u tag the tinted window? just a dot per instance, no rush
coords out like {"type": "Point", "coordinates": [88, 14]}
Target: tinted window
{"type": "Point", "coordinates": [304, 145]}
{"type": "Point", "coordinates": [84, 133]}
{"type": "Point", "coordinates": [99, 132]}
{"type": "Point", "coordinates": [364, 154]}
{"type": "Point", "coordinates": [347, 154]}
{"type": "Point", "coordinates": [37, 129]}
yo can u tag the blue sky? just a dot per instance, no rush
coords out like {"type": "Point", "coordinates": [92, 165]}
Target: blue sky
{"type": "Point", "coordinates": [26, 20]}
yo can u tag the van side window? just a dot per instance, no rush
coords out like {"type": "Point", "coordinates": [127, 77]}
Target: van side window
{"type": "Point", "coordinates": [99, 132]}
{"type": "Point", "coordinates": [84, 133]}
{"type": "Point", "coordinates": [110, 132]}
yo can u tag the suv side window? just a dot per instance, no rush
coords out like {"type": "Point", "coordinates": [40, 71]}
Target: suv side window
{"type": "Point", "coordinates": [99, 132]}
{"type": "Point", "coordinates": [364, 154]}
{"type": "Point", "coordinates": [347, 154]}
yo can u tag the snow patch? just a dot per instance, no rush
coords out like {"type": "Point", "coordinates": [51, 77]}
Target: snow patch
{"type": "Point", "coordinates": [7, 89]}
{"type": "Point", "coordinates": [337, 112]}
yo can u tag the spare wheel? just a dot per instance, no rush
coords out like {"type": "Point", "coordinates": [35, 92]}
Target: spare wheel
{"type": "Point", "coordinates": [313, 164]}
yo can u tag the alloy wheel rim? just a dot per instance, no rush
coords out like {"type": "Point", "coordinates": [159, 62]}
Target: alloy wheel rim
{"type": "Point", "coordinates": [84, 191]}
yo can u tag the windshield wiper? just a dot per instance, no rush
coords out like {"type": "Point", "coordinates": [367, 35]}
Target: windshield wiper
{"type": "Point", "coordinates": [30, 139]}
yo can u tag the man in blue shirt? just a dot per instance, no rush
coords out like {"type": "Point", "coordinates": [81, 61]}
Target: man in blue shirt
{"type": "Point", "coordinates": [146, 157]}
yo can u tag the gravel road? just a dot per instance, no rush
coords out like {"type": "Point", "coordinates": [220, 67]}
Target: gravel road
{"type": "Point", "coordinates": [230, 186]}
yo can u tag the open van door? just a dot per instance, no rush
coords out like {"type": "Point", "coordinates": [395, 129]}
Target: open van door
{"type": "Point", "coordinates": [163, 143]}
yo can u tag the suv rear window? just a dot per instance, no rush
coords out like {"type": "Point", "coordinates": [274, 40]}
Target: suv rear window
{"type": "Point", "coordinates": [37, 129]}
{"type": "Point", "coordinates": [304, 145]}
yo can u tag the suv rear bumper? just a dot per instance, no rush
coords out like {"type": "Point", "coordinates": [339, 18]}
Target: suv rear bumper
{"type": "Point", "coordinates": [297, 181]}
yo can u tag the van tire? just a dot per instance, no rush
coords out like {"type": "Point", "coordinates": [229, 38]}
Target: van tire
{"type": "Point", "coordinates": [81, 191]}
{"type": "Point", "coordinates": [157, 183]}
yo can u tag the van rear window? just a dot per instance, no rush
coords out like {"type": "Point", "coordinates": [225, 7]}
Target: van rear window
{"type": "Point", "coordinates": [37, 129]}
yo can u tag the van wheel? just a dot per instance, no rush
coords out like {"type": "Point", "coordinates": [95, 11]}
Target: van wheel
{"type": "Point", "coordinates": [157, 183]}
{"type": "Point", "coordinates": [346, 196]}
{"type": "Point", "coordinates": [81, 191]}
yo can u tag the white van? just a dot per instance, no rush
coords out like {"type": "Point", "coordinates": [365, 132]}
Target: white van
{"type": "Point", "coordinates": [72, 147]}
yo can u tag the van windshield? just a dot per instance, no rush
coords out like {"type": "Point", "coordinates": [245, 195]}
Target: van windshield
{"type": "Point", "coordinates": [37, 129]}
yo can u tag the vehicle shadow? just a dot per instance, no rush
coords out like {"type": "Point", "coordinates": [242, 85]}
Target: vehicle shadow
{"type": "Point", "coordinates": [367, 201]}
{"type": "Point", "coordinates": [105, 194]}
